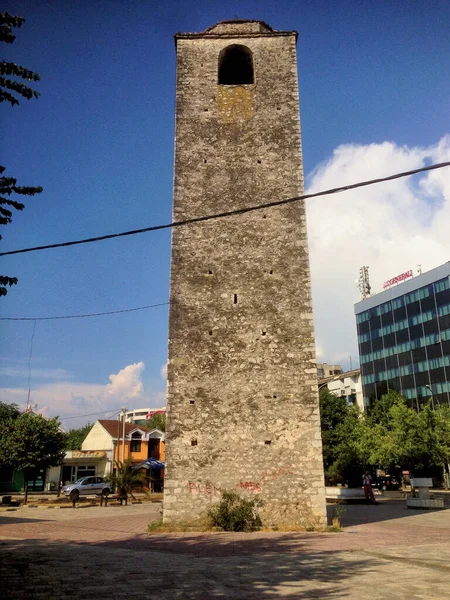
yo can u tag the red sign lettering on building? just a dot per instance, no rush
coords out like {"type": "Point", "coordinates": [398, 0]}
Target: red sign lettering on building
{"type": "Point", "coordinates": [398, 279]}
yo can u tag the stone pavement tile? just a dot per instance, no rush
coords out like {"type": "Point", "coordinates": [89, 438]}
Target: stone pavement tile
{"type": "Point", "coordinates": [107, 554]}
{"type": "Point", "coordinates": [91, 572]}
{"type": "Point", "coordinates": [435, 556]}
{"type": "Point", "coordinates": [89, 526]}
{"type": "Point", "coordinates": [129, 526]}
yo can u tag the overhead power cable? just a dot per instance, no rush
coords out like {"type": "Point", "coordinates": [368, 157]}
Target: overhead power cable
{"type": "Point", "coordinates": [89, 414]}
{"type": "Point", "coordinates": [230, 213]}
{"type": "Point", "coordinates": [100, 314]}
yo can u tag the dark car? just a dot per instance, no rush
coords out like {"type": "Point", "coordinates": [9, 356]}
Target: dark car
{"type": "Point", "coordinates": [386, 483]}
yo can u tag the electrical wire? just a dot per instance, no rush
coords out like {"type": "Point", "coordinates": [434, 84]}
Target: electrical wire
{"type": "Point", "coordinates": [90, 414]}
{"type": "Point", "coordinates": [238, 211]}
{"type": "Point", "coordinates": [100, 314]}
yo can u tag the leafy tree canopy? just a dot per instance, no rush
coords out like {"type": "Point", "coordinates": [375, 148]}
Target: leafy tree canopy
{"type": "Point", "coordinates": [75, 437]}
{"type": "Point", "coordinates": [340, 431]}
{"type": "Point", "coordinates": [390, 436]}
{"type": "Point", "coordinates": [29, 441]}
{"type": "Point", "coordinates": [11, 88]}
{"type": "Point", "coordinates": [10, 91]}
{"type": "Point", "coordinates": [8, 411]}
{"type": "Point", "coordinates": [157, 421]}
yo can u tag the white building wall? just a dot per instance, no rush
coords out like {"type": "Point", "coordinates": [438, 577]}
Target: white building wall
{"type": "Point", "coordinates": [346, 386]}
{"type": "Point", "coordinates": [97, 439]}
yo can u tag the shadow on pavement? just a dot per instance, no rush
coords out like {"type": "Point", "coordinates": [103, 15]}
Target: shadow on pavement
{"type": "Point", "coordinates": [386, 510]}
{"type": "Point", "coordinates": [7, 520]}
{"type": "Point", "coordinates": [202, 567]}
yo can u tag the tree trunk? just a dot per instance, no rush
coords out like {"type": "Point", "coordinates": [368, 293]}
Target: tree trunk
{"type": "Point", "coordinates": [25, 488]}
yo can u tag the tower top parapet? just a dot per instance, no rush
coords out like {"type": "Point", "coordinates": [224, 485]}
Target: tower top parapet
{"type": "Point", "coordinates": [236, 28]}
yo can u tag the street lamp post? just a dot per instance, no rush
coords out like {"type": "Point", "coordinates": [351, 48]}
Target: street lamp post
{"type": "Point", "coordinates": [432, 395]}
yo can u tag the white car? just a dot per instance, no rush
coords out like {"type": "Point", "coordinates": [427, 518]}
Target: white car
{"type": "Point", "coordinates": [87, 486]}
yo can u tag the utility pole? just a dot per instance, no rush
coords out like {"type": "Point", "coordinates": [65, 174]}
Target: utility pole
{"type": "Point", "coordinates": [116, 447]}
{"type": "Point", "coordinates": [124, 410]}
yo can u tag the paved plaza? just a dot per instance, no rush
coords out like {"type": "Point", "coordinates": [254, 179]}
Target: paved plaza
{"type": "Point", "coordinates": [385, 551]}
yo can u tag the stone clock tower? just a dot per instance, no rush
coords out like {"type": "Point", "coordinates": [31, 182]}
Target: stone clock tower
{"type": "Point", "coordinates": [242, 407]}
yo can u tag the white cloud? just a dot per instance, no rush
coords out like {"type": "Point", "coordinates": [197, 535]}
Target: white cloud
{"type": "Point", "coordinates": [127, 382]}
{"type": "Point", "coordinates": [391, 227]}
{"type": "Point", "coordinates": [163, 372]}
{"type": "Point", "coordinates": [78, 400]}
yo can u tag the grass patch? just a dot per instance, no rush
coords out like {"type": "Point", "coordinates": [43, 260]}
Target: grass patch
{"type": "Point", "coordinates": [336, 522]}
{"type": "Point", "coordinates": [202, 525]}
{"type": "Point", "coordinates": [234, 513]}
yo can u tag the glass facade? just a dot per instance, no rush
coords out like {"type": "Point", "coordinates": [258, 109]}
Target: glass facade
{"type": "Point", "coordinates": [404, 344]}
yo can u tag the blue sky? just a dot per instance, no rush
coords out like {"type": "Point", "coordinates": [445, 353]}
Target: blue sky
{"type": "Point", "coordinates": [375, 95]}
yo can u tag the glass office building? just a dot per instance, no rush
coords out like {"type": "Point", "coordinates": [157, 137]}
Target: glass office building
{"type": "Point", "coordinates": [404, 339]}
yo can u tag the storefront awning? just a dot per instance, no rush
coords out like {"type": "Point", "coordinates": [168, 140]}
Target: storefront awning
{"type": "Point", "coordinates": [150, 463]}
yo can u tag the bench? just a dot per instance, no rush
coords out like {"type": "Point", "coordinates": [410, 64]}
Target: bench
{"type": "Point", "coordinates": [105, 499]}
{"type": "Point", "coordinates": [74, 498]}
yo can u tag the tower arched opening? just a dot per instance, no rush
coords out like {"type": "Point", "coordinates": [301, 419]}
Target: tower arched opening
{"type": "Point", "coordinates": [236, 66]}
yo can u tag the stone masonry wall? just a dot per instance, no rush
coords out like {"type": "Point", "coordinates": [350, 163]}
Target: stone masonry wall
{"type": "Point", "coordinates": [242, 409]}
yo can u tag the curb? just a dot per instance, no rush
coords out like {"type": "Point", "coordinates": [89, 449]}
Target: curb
{"type": "Point", "coordinates": [65, 506]}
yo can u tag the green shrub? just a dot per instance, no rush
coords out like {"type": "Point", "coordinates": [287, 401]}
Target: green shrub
{"type": "Point", "coordinates": [234, 513]}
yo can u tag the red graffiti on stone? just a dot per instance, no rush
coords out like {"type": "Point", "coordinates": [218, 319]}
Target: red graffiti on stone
{"type": "Point", "coordinates": [251, 486]}
{"type": "Point", "coordinates": [207, 489]}
{"type": "Point", "coordinates": [278, 472]}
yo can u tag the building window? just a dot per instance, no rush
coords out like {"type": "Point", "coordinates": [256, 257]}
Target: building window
{"type": "Point", "coordinates": [235, 66]}
{"type": "Point", "coordinates": [85, 471]}
{"type": "Point", "coordinates": [442, 285]}
{"type": "Point", "coordinates": [135, 444]}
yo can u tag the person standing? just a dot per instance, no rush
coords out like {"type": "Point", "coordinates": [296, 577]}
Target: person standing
{"type": "Point", "coordinates": [368, 491]}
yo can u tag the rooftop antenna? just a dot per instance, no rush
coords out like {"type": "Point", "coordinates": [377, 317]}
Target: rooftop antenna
{"type": "Point", "coordinates": [363, 283]}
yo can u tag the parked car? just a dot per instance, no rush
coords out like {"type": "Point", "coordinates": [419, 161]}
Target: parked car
{"type": "Point", "coordinates": [386, 483]}
{"type": "Point", "coordinates": [87, 486]}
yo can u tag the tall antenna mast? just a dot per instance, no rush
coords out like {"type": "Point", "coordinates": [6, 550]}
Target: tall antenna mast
{"type": "Point", "coordinates": [363, 282]}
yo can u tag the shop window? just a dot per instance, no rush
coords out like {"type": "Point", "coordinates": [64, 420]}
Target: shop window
{"type": "Point", "coordinates": [85, 471]}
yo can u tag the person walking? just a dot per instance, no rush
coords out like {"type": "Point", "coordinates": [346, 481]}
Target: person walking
{"type": "Point", "coordinates": [368, 491]}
